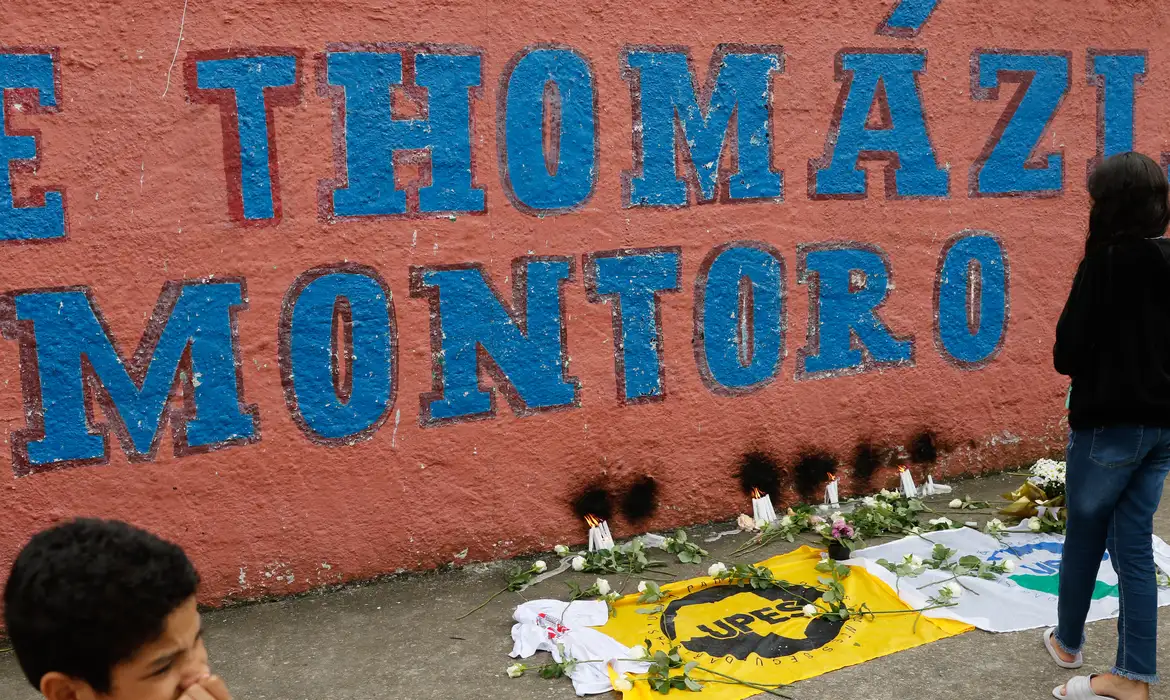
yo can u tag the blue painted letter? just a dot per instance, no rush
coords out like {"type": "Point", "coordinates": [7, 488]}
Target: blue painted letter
{"type": "Point", "coordinates": [1009, 168]}
{"type": "Point", "coordinates": [247, 77]}
{"type": "Point", "coordinates": [846, 287]}
{"type": "Point", "coordinates": [1115, 75]}
{"type": "Point", "coordinates": [631, 280]}
{"type": "Point", "coordinates": [907, 18]}
{"type": "Point", "coordinates": [912, 169]}
{"type": "Point", "coordinates": [331, 408]}
{"type": "Point", "coordinates": [664, 87]}
{"type": "Point", "coordinates": [190, 335]}
{"type": "Point", "coordinates": [373, 136]}
{"type": "Point", "coordinates": [972, 299]}
{"type": "Point", "coordinates": [562, 178]}
{"type": "Point", "coordinates": [525, 344]}
{"type": "Point", "coordinates": [739, 318]}
{"type": "Point", "coordinates": [21, 71]}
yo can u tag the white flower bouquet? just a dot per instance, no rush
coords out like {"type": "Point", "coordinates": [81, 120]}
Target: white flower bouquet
{"type": "Point", "coordinates": [1049, 474]}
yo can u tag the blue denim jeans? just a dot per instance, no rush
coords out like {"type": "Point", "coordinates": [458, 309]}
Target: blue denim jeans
{"type": "Point", "coordinates": [1114, 479]}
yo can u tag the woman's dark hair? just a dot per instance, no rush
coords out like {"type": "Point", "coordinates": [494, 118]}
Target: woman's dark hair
{"type": "Point", "coordinates": [1129, 192]}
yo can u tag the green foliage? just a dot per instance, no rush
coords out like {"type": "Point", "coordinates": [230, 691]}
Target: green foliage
{"type": "Point", "coordinates": [687, 551]}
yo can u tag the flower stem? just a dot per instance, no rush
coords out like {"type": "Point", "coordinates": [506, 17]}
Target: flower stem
{"type": "Point", "coordinates": [902, 612]}
{"type": "Point", "coordinates": [482, 605]}
{"type": "Point", "coordinates": [945, 581]}
{"type": "Point", "coordinates": [749, 684]}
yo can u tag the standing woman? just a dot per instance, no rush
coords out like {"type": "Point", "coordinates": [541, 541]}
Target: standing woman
{"type": "Point", "coordinates": [1113, 339]}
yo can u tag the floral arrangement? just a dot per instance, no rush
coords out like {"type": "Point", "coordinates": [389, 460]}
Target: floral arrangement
{"type": "Point", "coordinates": [1049, 476]}
{"type": "Point", "coordinates": [839, 536]}
{"type": "Point", "coordinates": [1039, 502]}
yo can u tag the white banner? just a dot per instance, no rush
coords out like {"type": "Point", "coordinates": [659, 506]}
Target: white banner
{"type": "Point", "coordinates": [1022, 600]}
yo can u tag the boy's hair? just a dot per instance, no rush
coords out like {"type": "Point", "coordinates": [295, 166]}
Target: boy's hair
{"type": "Point", "coordinates": [86, 595]}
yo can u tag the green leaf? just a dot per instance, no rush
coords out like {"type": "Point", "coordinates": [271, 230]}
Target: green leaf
{"type": "Point", "coordinates": [692, 685]}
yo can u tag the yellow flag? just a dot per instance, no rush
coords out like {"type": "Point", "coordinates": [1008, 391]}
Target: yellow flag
{"type": "Point", "coordinates": [762, 636]}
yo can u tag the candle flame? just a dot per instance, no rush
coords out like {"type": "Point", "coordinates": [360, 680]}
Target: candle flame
{"type": "Point", "coordinates": [901, 470]}
{"type": "Point", "coordinates": [592, 521]}
{"type": "Point", "coordinates": [756, 493]}
{"type": "Point", "coordinates": [832, 477]}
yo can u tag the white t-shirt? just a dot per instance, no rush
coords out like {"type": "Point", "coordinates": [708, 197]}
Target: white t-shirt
{"type": "Point", "coordinates": [542, 625]}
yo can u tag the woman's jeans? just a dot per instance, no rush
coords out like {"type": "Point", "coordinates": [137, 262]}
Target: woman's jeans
{"type": "Point", "coordinates": [1114, 481]}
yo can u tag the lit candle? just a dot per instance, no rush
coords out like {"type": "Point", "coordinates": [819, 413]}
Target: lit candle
{"type": "Point", "coordinates": [831, 496]}
{"type": "Point", "coordinates": [599, 537]}
{"type": "Point", "coordinates": [762, 510]}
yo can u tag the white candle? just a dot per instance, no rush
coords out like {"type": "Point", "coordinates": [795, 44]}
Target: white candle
{"type": "Point", "coordinates": [762, 510]}
{"type": "Point", "coordinates": [599, 535]}
{"type": "Point", "coordinates": [909, 490]}
{"type": "Point", "coordinates": [831, 496]}
{"type": "Point", "coordinates": [933, 489]}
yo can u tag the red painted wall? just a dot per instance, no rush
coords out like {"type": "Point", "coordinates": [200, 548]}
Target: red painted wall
{"type": "Point", "coordinates": [140, 157]}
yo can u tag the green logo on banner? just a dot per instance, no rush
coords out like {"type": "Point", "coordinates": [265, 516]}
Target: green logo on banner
{"type": "Point", "coordinates": [1051, 585]}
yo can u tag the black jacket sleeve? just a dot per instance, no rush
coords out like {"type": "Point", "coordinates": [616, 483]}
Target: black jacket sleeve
{"type": "Point", "coordinates": [1074, 337]}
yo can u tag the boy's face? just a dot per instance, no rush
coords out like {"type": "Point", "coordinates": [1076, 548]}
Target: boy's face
{"type": "Point", "coordinates": [164, 669]}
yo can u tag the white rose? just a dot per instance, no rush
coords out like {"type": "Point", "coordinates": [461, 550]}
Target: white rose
{"type": "Point", "coordinates": [561, 550]}
{"type": "Point", "coordinates": [811, 611]}
{"type": "Point", "coordinates": [642, 586]}
{"type": "Point", "coordinates": [602, 586]}
{"type": "Point", "coordinates": [941, 521]}
{"type": "Point", "coordinates": [914, 560]}
{"type": "Point", "coordinates": [540, 567]}
{"type": "Point", "coordinates": [1034, 524]}
{"type": "Point", "coordinates": [869, 501]}
{"type": "Point", "coordinates": [786, 521]}
{"type": "Point", "coordinates": [837, 517]}
{"type": "Point", "coordinates": [516, 670]}
{"type": "Point", "coordinates": [1009, 566]}
{"type": "Point", "coordinates": [622, 684]}
{"type": "Point", "coordinates": [638, 652]}
{"type": "Point", "coordinates": [956, 503]}
{"type": "Point", "coordinates": [578, 563]}
{"type": "Point", "coordinates": [955, 589]}
{"type": "Point", "coordinates": [887, 493]}
{"type": "Point", "coordinates": [746, 523]}
{"type": "Point", "coordinates": [716, 569]}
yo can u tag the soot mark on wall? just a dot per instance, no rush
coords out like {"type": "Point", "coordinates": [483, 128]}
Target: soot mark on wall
{"type": "Point", "coordinates": [759, 470]}
{"type": "Point", "coordinates": [641, 500]}
{"type": "Point", "coordinates": [924, 447]}
{"type": "Point", "coordinates": [595, 500]}
{"type": "Point", "coordinates": [812, 469]}
{"type": "Point", "coordinates": [868, 458]}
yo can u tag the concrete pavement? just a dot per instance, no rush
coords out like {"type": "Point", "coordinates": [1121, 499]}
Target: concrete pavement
{"type": "Point", "coordinates": [398, 639]}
